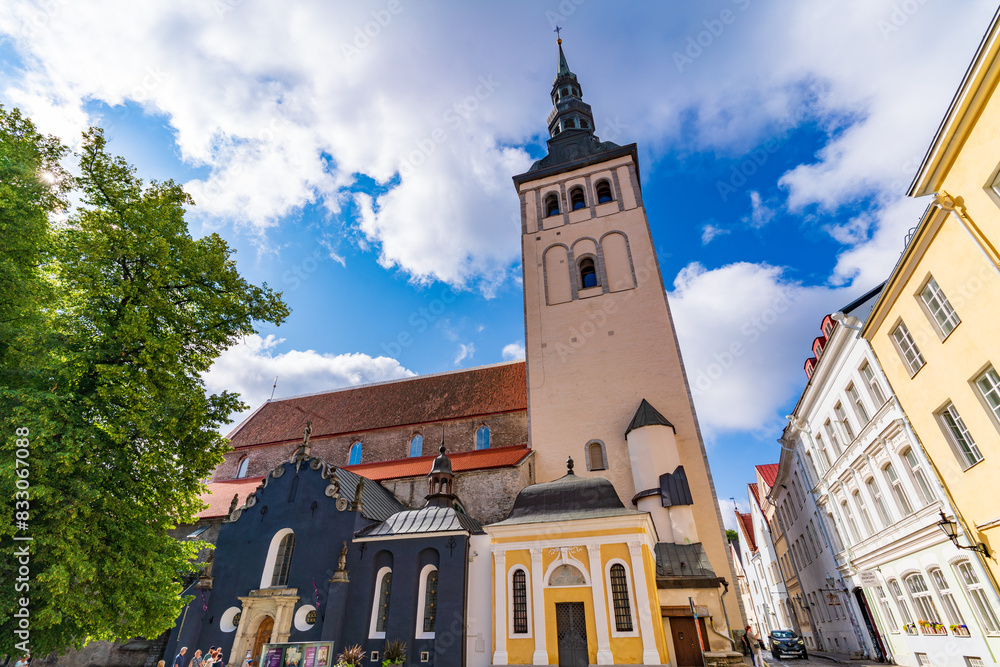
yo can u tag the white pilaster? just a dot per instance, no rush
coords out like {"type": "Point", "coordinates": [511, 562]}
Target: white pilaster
{"type": "Point", "coordinates": [650, 655]}
{"type": "Point", "coordinates": [541, 654]}
{"type": "Point", "coordinates": [604, 655]}
{"type": "Point", "coordinates": [500, 606]}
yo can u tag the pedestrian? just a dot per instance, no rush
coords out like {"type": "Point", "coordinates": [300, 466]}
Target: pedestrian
{"type": "Point", "coordinates": [197, 660]}
{"type": "Point", "coordinates": [179, 660]}
{"type": "Point", "coordinates": [24, 661]}
{"type": "Point", "coordinates": [750, 643]}
{"type": "Point", "coordinates": [209, 659]}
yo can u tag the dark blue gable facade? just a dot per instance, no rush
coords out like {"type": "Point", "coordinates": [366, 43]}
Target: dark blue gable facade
{"type": "Point", "coordinates": [239, 603]}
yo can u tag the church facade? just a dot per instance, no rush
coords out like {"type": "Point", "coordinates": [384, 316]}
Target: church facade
{"type": "Point", "coordinates": [496, 515]}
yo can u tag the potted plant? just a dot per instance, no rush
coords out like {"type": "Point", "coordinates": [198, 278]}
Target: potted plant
{"type": "Point", "coordinates": [960, 630]}
{"type": "Point", "coordinates": [394, 653]}
{"type": "Point", "coordinates": [910, 629]}
{"type": "Point", "coordinates": [351, 657]}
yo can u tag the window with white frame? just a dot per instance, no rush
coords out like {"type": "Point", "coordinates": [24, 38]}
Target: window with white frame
{"type": "Point", "coordinates": [427, 602]}
{"type": "Point", "coordinates": [380, 603]}
{"type": "Point", "coordinates": [904, 608]}
{"type": "Point", "coordinates": [978, 598]}
{"type": "Point", "coordinates": [519, 602]}
{"type": "Point", "coordinates": [939, 307]}
{"type": "Point", "coordinates": [873, 385]}
{"type": "Point", "coordinates": [897, 490]}
{"type": "Point", "coordinates": [919, 477]}
{"type": "Point", "coordinates": [922, 659]}
{"type": "Point", "coordinates": [621, 598]}
{"type": "Point", "coordinates": [241, 472]}
{"type": "Point", "coordinates": [907, 349]}
{"type": "Point", "coordinates": [866, 519]}
{"type": "Point", "coordinates": [973, 662]}
{"type": "Point", "coordinates": [845, 423]}
{"type": "Point", "coordinates": [833, 437]}
{"type": "Point", "coordinates": [858, 404]}
{"type": "Point", "coordinates": [960, 436]}
{"type": "Point", "coordinates": [838, 544]}
{"type": "Point", "coordinates": [812, 544]}
{"type": "Point", "coordinates": [876, 494]}
{"type": "Point", "coordinates": [947, 599]}
{"type": "Point", "coordinates": [989, 385]}
{"type": "Point", "coordinates": [824, 456]}
{"type": "Point", "coordinates": [852, 527]}
{"type": "Point", "coordinates": [883, 603]}
{"type": "Point", "coordinates": [922, 599]}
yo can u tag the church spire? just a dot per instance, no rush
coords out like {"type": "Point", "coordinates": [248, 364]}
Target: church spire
{"type": "Point", "coordinates": [571, 113]}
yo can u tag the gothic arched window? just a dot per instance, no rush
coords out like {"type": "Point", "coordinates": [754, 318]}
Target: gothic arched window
{"type": "Point", "coordinates": [427, 602]}
{"type": "Point", "coordinates": [417, 445]}
{"type": "Point", "coordinates": [381, 612]}
{"type": "Point", "coordinates": [241, 472]}
{"type": "Point", "coordinates": [483, 437]}
{"type": "Point", "coordinates": [279, 577]}
{"type": "Point", "coordinates": [355, 456]}
{"type": "Point", "coordinates": [552, 205]}
{"type": "Point", "coordinates": [588, 273]}
{"type": "Point", "coordinates": [576, 199]}
{"type": "Point", "coordinates": [603, 192]}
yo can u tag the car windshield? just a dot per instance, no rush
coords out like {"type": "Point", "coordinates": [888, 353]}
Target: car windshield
{"type": "Point", "coordinates": [783, 634]}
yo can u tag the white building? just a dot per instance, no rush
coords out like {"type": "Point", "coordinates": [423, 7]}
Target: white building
{"type": "Point", "coordinates": [773, 597]}
{"type": "Point", "coordinates": [917, 597]}
{"type": "Point", "coordinates": [747, 585]}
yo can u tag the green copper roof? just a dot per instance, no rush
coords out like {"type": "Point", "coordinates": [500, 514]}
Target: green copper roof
{"type": "Point", "coordinates": [563, 65]}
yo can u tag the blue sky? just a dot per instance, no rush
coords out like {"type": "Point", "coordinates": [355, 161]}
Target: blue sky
{"type": "Point", "coordinates": [358, 157]}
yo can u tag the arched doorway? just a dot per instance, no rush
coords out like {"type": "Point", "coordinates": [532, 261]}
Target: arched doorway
{"type": "Point", "coordinates": [866, 613]}
{"type": "Point", "coordinates": [263, 637]}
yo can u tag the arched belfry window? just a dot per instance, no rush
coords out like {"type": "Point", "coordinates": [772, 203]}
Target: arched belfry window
{"type": "Point", "coordinates": [355, 456]}
{"type": "Point", "coordinates": [576, 199]}
{"type": "Point", "coordinates": [603, 190]}
{"type": "Point", "coordinates": [596, 460]}
{"type": "Point", "coordinates": [552, 205]}
{"type": "Point", "coordinates": [483, 437]}
{"type": "Point", "coordinates": [570, 123]}
{"type": "Point", "coordinates": [588, 273]}
{"type": "Point", "coordinates": [241, 472]}
{"type": "Point", "coordinates": [279, 576]}
{"type": "Point", "coordinates": [417, 445]}
{"type": "Point", "coordinates": [380, 610]}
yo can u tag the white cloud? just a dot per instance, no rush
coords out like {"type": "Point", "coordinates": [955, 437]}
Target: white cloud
{"type": "Point", "coordinates": [739, 327]}
{"type": "Point", "coordinates": [250, 368]}
{"type": "Point", "coordinates": [728, 506]}
{"type": "Point", "coordinates": [513, 351]}
{"type": "Point", "coordinates": [465, 351]}
{"type": "Point", "coordinates": [710, 231]}
{"type": "Point", "coordinates": [760, 213]}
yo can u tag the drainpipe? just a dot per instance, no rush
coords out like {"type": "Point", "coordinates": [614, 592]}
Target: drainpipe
{"type": "Point", "coordinates": [722, 599]}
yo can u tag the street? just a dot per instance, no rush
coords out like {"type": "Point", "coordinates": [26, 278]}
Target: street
{"type": "Point", "coordinates": [813, 661]}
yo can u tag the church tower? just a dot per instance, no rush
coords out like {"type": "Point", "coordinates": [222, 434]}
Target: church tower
{"type": "Point", "coordinates": [606, 383]}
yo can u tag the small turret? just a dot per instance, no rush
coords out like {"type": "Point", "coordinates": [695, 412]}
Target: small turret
{"type": "Point", "coordinates": [439, 482]}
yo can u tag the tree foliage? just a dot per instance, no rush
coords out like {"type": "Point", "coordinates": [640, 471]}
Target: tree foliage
{"type": "Point", "coordinates": [109, 319]}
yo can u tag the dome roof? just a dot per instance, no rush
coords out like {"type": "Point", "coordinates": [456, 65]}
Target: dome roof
{"type": "Point", "coordinates": [569, 497]}
{"type": "Point", "coordinates": [442, 464]}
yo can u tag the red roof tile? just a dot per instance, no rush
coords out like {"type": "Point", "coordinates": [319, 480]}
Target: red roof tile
{"type": "Point", "coordinates": [746, 523]}
{"type": "Point", "coordinates": [483, 459]}
{"type": "Point", "coordinates": [769, 473]}
{"type": "Point", "coordinates": [467, 393]}
{"type": "Point", "coordinates": [220, 495]}
{"type": "Point", "coordinates": [755, 492]}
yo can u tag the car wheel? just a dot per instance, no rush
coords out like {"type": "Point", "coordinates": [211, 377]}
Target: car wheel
{"type": "Point", "coordinates": [805, 656]}
{"type": "Point", "coordinates": [775, 654]}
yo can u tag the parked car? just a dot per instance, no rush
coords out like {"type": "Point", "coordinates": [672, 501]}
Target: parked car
{"type": "Point", "coordinates": [786, 641]}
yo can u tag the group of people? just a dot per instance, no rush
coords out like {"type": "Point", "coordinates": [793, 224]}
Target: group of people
{"type": "Point", "coordinates": [211, 659]}
{"type": "Point", "coordinates": [750, 643]}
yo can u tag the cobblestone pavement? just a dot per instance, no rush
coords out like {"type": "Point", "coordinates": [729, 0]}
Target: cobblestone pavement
{"type": "Point", "coordinates": [813, 661]}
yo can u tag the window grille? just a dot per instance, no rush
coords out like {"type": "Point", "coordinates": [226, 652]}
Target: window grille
{"type": "Point", "coordinates": [619, 592]}
{"type": "Point", "coordinates": [279, 577]}
{"type": "Point", "coordinates": [520, 603]}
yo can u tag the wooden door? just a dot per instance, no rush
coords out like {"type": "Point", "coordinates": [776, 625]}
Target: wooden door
{"type": "Point", "coordinates": [571, 629]}
{"type": "Point", "coordinates": [263, 637]}
{"type": "Point", "coordinates": [687, 648]}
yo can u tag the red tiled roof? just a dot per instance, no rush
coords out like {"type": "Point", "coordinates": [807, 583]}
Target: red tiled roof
{"type": "Point", "coordinates": [476, 391]}
{"type": "Point", "coordinates": [482, 459]}
{"type": "Point", "coordinates": [755, 492]}
{"type": "Point", "coordinates": [768, 472]}
{"type": "Point", "coordinates": [220, 495]}
{"type": "Point", "coordinates": [746, 523]}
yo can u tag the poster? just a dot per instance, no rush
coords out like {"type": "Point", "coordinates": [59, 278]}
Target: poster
{"type": "Point", "coordinates": [273, 657]}
{"type": "Point", "coordinates": [293, 655]}
{"type": "Point", "coordinates": [310, 658]}
{"type": "Point", "coordinates": [323, 656]}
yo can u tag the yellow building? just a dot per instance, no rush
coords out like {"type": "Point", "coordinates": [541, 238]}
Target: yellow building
{"type": "Point", "coordinates": [934, 328]}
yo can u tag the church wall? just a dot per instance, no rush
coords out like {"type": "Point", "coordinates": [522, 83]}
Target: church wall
{"type": "Point", "coordinates": [479, 636]}
{"type": "Point", "coordinates": [388, 444]}
{"type": "Point", "coordinates": [241, 552]}
{"type": "Point", "coordinates": [487, 495]}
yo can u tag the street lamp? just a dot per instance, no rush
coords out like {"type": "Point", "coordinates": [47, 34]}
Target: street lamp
{"type": "Point", "coordinates": [950, 529]}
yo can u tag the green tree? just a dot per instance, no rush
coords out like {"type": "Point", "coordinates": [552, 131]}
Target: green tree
{"type": "Point", "coordinates": [731, 535]}
{"type": "Point", "coordinates": [121, 429]}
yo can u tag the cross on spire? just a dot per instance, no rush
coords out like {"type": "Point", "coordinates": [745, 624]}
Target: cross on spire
{"type": "Point", "coordinates": [558, 36]}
